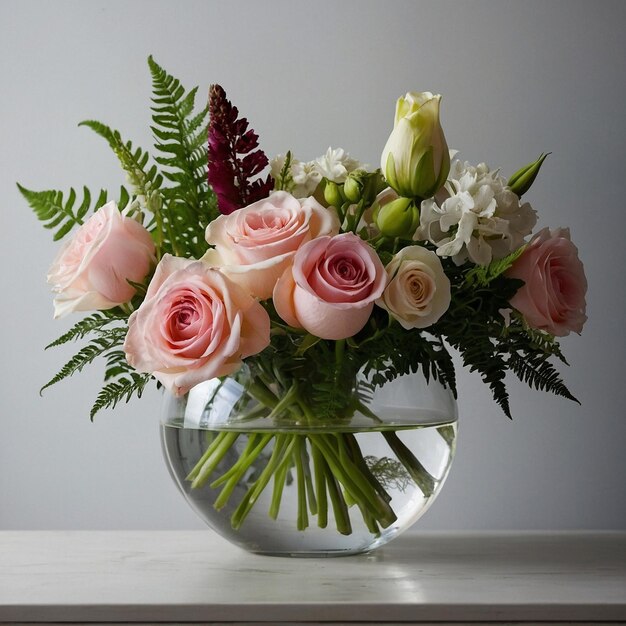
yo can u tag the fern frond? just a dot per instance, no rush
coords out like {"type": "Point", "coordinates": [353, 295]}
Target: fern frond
{"type": "Point", "coordinates": [134, 161]}
{"type": "Point", "coordinates": [86, 355]}
{"type": "Point", "coordinates": [124, 388]}
{"type": "Point", "coordinates": [60, 214]}
{"type": "Point", "coordinates": [116, 365]}
{"type": "Point", "coordinates": [482, 276]}
{"type": "Point", "coordinates": [536, 371]}
{"type": "Point", "coordinates": [181, 141]}
{"type": "Point", "coordinates": [85, 326]}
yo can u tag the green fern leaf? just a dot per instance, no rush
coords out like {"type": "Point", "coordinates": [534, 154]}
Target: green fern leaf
{"type": "Point", "coordinates": [124, 388]}
{"type": "Point", "coordinates": [181, 143]}
{"type": "Point", "coordinates": [96, 347]}
{"type": "Point", "coordinates": [59, 214]}
{"type": "Point", "coordinates": [85, 326]}
{"type": "Point", "coordinates": [483, 276]}
{"type": "Point", "coordinates": [133, 161]}
{"type": "Point", "coordinates": [536, 371]}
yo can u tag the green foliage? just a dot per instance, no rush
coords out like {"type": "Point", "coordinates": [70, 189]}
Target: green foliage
{"type": "Point", "coordinates": [124, 388]}
{"type": "Point", "coordinates": [473, 325]}
{"type": "Point", "coordinates": [181, 140]}
{"type": "Point", "coordinates": [58, 214]}
{"type": "Point", "coordinates": [98, 346]}
{"type": "Point", "coordinates": [134, 161]}
{"type": "Point", "coordinates": [482, 276]}
{"type": "Point", "coordinates": [92, 323]}
{"type": "Point", "coordinates": [169, 194]}
{"type": "Point", "coordinates": [537, 372]}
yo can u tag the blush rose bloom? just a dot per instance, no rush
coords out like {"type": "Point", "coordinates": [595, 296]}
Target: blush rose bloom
{"type": "Point", "coordinates": [418, 291]}
{"type": "Point", "coordinates": [91, 270]}
{"type": "Point", "coordinates": [553, 296]}
{"type": "Point", "coordinates": [254, 245]}
{"type": "Point", "coordinates": [194, 325]}
{"type": "Point", "coordinates": [331, 287]}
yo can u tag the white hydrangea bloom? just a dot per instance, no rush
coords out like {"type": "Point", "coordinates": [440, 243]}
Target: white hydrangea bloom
{"type": "Point", "coordinates": [475, 216]}
{"type": "Point", "coordinates": [336, 164]}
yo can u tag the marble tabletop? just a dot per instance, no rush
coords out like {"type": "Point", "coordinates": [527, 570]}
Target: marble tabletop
{"type": "Point", "coordinates": [196, 577]}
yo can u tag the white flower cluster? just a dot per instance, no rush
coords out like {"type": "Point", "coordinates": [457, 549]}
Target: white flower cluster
{"type": "Point", "coordinates": [335, 165]}
{"type": "Point", "coordinates": [475, 216]}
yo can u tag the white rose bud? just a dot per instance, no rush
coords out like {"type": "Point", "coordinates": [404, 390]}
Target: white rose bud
{"type": "Point", "coordinates": [416, 160]}
{"type": "Point", "coordinates": [418, 291]}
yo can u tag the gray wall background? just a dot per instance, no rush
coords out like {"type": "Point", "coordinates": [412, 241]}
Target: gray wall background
{"type": "Point", "coordinates": [518, 78]}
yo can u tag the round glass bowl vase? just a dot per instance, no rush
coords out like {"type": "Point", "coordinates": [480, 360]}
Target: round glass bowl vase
{"type": "Point", "coordinates": [288, 485]}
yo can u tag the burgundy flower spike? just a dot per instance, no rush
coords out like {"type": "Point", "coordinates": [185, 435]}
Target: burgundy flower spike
{"type": "Point", "coordinates": [233, 160]}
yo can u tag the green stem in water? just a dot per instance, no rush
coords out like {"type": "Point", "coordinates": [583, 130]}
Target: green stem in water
{"type": "Point", "coordinates": [416, 470]}
{"type": "Point", "coordinates": [302, 522]}
{"type": "Point", "coordinates": [357, 457]}
{"type": "Point", "coordinates": [340, 508]}
{"type": "Point", "coordinates": [256, 445]}
{"type": "Point", "coordinates": [346, 472]}
{"type": "Point", "coordinates": [227, 439]}
{"type": "Point", "coordinates": [447, 434]}
{"type": "Point", "coordinates": [280, 477]}
{"type": "Point", "coordinates": [319, 470]}
{"type": "Point", "coordinates": [282, 446]}
{"type": "Point", "coordinates": [308, 478]}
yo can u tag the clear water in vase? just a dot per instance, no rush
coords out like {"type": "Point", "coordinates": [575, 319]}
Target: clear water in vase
{"type": "Point", "coordinates": [432, 446]}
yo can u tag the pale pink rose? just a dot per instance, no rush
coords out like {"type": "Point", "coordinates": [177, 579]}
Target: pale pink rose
{"type": "Point", "coordinates": [418, 291]}
{"type": "Point", "coordinates": [194, 324]}
{"type": "Point", "coordinates": [92, 269]}
{"type": "Point", "coordinates": [331, 287]}
{"type": "Point", "coordinates": [254, 245]}
{"type": "Point", "coordinates": [553, 296]}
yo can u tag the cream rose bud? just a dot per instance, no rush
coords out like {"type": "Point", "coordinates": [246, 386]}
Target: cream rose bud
{"type": "Point", "coordinates": [193, 325]}
{"type": "Point", "coordinates": [416, 159]}
{"type": "Point", "coordinates": [254, 245]}
{"type": "Point", "coordinates": [92, 270]}
{"type": "Point", "coordinates": [418, 291]}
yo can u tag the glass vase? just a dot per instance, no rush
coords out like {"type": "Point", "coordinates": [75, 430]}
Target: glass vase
{"type": "Point", "coordinates": [286, 483]}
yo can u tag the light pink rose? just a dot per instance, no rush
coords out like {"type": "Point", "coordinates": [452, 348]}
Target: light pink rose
{"type": "Point", "coordinates": [553, 296]}
{"type": "Point", "coordinates": [331, 287]}
{"type": "Point", "coordinates": [418, 291]}
{"type": "Point", "coordinates": [254, 245]}
{"type": "Point", "coordinates": [194, 325]}
{"type": "Point", "coordinates": [91, 270]}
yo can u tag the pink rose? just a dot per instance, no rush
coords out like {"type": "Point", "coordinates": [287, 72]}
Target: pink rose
{"type": "Point", "coordinates": [254, 245]}
{"type": "Point", "coordinates": [194, 324]}
{"type": "Point", "coordinates": [92, 269]}
{"type": "Point", "coordinates": [331, 287]}
{"type": "Point", "coordinates": [553, 296]}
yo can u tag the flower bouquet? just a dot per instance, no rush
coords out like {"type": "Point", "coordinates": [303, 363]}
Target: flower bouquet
{"type": "Point", "coordinates": [288, 299]}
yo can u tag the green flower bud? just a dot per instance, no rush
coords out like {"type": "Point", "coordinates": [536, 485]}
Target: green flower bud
{"type": "Point", "coordinates": [332, 194]}
{"type": "Point", "coordinates": [520, 182]}
{"type": "Point", "coordinates": [416, 159]}
{"type": "Point", "coordinates": [398, 218]}
{"type": "Point", "coordinates": [354, 185]}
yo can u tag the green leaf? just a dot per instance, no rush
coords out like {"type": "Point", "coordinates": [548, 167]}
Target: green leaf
{"type": "Point", "coordinates": [483, 276]}
{"type": "Point", "coordinates": [124, 388]}
{"type": "Point", "coordinates": [181, 144]}
{"type": "Point", "coordinates": [96, 347]}
{"type": "Point", "coordinates": [89, 324]}
{"type": "Point", "coordinates": [133, 161]}
{"type": "Point", "coordinates": [59, 214]}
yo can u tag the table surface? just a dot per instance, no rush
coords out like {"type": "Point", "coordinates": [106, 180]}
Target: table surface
{"type": "Point", "coordinates": [194, 576]}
